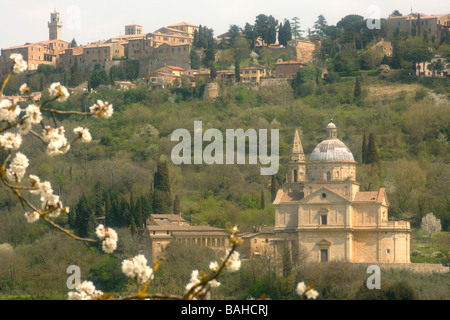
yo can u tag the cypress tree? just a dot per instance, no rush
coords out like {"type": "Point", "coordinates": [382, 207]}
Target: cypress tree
{"type": "Point", "coordinates": [176, 205]}
{"type": "Point", "coordinates": [133, 229]}
{"type": "Point", "coordinates": [273, 188]}
{"type": "Point", "coordinates": [237, 70]}
{"type": "Point", "coordinates": [263, 201]}
{"type": "Point", "coordinates": [138, 217]}
{"type": "Point", "coordinates": [162, 197]}
{"type": "Point", "coordinates": [372, 153]}
{"type": "Point", "coordinates": [84, 219]}
{"type": "Point", "coordinates": [364, 150]}
{"type": "Point", "coordinates": [107, 208]}
{"type": "Point", "coordinates": [125, 213]}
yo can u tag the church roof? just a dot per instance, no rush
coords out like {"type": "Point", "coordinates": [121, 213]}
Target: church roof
{"type": "Point", "coordinates": [371, 196]}
{"type": "Point", "coordinates": [331, 149]}
{"type": "Point", "coordinates": [297, 144]}
{"type": "Point", "coordinates": [297, 153]}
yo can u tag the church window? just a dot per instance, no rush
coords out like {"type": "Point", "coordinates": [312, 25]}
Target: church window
{"type": "Point", "coordinates": [295, 176]}
{"type": "Point", "coordinates": [388, 251]}
{"type": "Point", "coordinates": [324, 219]}
{"type": "Point", "coordinates": [328, 175]}
{"type": "Point", "coordinates": [324, 195]}
{"type": "Point", "coordinates": [323, 255]}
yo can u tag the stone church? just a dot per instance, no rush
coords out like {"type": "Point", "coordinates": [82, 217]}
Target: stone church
{"type": "Point", "coordinates": [321, 210]}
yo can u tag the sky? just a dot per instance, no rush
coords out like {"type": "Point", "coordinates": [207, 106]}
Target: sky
{"type": "Point", "coordinates": [23, 21]}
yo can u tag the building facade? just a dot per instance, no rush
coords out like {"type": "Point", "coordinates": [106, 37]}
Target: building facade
{"type": "Point", "coordinates": [253, 74]}
{"type": "Point", "coordinates": [287, 69]}
{"type": "Point", "coordinates": [162, 229]}
{"type": "Point", "coordinates": [430, 26]}
{"type": "Point", "coordinates": [321, 211]}
{"type": "Point", "coordinates": [436, 67]}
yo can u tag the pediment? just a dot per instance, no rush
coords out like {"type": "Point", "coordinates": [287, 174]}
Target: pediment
{"type": "Point", "coordinates": [323, 243]}
{"type": "Point", "coordinates": [324, 195]}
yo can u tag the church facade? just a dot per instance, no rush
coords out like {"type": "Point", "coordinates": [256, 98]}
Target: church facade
{"type": "Point", "coordinates": [321, 211]}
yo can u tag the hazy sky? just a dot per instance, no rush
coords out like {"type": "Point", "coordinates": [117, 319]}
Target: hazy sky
{"type": "Point", "coordinates": [24, 21]}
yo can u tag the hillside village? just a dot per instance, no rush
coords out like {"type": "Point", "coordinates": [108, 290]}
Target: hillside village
{"type": "Point", "coordinates": [164, 55]}
{"type": "Point", "coordinates": [319, 202]}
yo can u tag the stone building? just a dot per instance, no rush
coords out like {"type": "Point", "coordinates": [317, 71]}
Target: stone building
{"type": "Point", "coordinates": [426, 69]}
{"type": "Point", "coordinates": [253, 74]}
{"type": "Point", "coordinates": [165, 228]}
{"type": "Point", "coordinates": [287, 69]}
{"type": "Point", "coordinates": [43, 52]}
{"type": "Point", "coordinates": [55, 26]}
{"type": "Point", "coordinates": [258, 243]}
{"type": "Point", "coordinates": [431, 26]}
{"type": "Point", "coordinates": [306, 50]}
{"type": "Point", "coordinates": [320, 209]}
{"type": "Point", "coordinates": [133, 29]}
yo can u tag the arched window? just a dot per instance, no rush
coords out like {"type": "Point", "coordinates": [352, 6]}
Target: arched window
{"type": "Point", "coordinates": [328, 175]}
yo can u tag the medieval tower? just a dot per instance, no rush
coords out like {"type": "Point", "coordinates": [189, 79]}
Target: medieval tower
{"type": "Point", "coordinates": [54, 26]}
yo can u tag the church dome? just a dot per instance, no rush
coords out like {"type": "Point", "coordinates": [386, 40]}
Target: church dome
{"type": "Point", "coordinates": [331, 149]}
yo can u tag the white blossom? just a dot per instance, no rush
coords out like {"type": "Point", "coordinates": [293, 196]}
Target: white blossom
{"type": "Point", "coordinates": [56, 90]}
{"type": "Point", "coordinates": [45, 190]}
{"type": "Point", "coordinates": [136, 268]}
{"type": "Point", "coordinates": [20, 65]}
{"type": "Point", "coordinates": [85, 291]}
{"type": "Point", "coordinates": [32, 216]}
{"type": "Point", "coordinates": [213, 266]}
{"type": "Point", "coordinates": [24, 126]}
{"type": "Point", "coordinates": [109, 237]}
{"type": "Point", "coordinates": [311, 294]}
{"type": "Point", "coordinates": [301, 288]}
{"type": "Point", "coordinates": [234, 263]}
{"type": "Point", "coordinates": [109, 245]}
{"type": "Point", "coordinates": [17, 167]}
{"type": "Point", "coordinates": [8, 112]}
{"type": "Point", "coordinates": [194, 280]}
{"type": "Point", "coordinates": [53, 205]}
{"type": "Point", "coordinates": [83, 133]}
{"type": "Point", "coordinates": [10, 140]}
{"type": "Point", "coordinates": [102, 109]}
{"type": "Point", "coordinates": [214, 283]}
{"type": "Point", "coordinates": [57, 142]}
{"type": "Point", "coordinates": [33, 113]}
{"type": "Point", "coordinates": [100, 231]}
{"type": "Point", "coordinates": [24, 88]}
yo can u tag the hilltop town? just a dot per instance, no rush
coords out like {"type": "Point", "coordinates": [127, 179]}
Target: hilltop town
{"type": "Point", "coordinates": [164, 57]}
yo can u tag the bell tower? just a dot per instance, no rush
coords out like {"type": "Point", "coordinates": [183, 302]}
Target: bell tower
{"type": "Point", "coordinates": [297, 165]}
{"type": "Point", "coordinates": [54, 26]}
